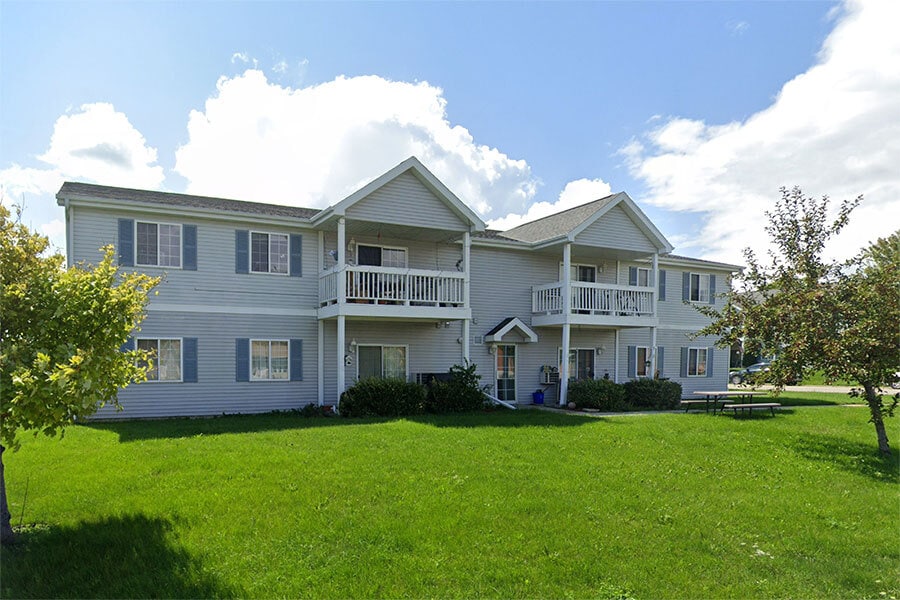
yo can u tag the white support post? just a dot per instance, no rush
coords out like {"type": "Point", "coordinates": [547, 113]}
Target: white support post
{"type": "Point", "coordinates": [655, 306]}
{"type": "Point", "coordinates": [341, 352]}
{"type": "Point", "coordinates": [465, 340]}
{"type": "Point", "coordinates": [467, 251]}
{"type": "Point", "coordinates": [653, 352]}
{"type": "Point", "coordinates": [616, 378]}
{"type": "Point", "coordinates": [341, 263]}
{"type": "Point", "coordinates": [320, 362]}
{"type": "Point", "coordinates": [567, 312]}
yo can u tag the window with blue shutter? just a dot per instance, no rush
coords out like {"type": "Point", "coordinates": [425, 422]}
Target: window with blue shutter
{"type": "Point", "coordinates": [296, 269]}
{"type": "Point", "coordinates": [242, 359]}
{"type": "Point", "coordinates": [686, 287]}
{"type": "Point", "coordinates": [712, 289]}
{"type": "Point", "coordinates": [662, 284]}
{"type": "Point", "coordinates": [126, 243]}
{"type": "Point", "coordinates": [189, 247]}
{"type": "Point", "coordinates": [709, 362]}
{"type": "Point", "coordinates": [632, 361]}
{"type": "Point", "coordinates": [660, 361]}
{"type": "Point", "coordinates": [684, 362]}
{"type": "Point", "coordinates": [632, 276]}
{"type": "Point", "coordinates": [189, 360]}
{"type": "Point", "coordinates": [241, 251]}
{"type": "Point", "coordinates": [128, 346]}
{"type": "Point", "coordinates": [296, 360]}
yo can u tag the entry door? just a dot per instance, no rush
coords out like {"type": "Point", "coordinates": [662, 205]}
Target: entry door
{"type": "Point", "coordinates": [506, 372]}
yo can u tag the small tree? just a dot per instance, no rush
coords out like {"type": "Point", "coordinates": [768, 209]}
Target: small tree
{"type": "Point", "coordinates": [812, 313]}
{"type": "Point", "coordinates": [61, 331]}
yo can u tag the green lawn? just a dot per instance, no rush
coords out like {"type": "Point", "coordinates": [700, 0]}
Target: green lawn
{"type": "Point", "coordinates": [503, 504]}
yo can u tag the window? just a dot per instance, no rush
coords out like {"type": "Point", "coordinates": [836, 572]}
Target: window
{"type": "Point", "coordinates": [166, 358]}
{"type": "Point", "coordinates": [269, 253]}
{"type": "Point", "coordinates": [643, 276]}
{"type": "Point", "coordinates": [642, 362]}
{"type": "Point", "coordinates": [268, 360]}
{"type": "Point", "coordinates": [158, 244]}
{"type": "Point", "coordinates": [699, 288]}
{"type": "Point", "coordinates": [579, 272]}
{"type": "Point", "coordinates": [381, 361]}
{"type": "Point", "coordinates": [581, 363]}
{"type": "Point", "coordinates": [696, 366]}
{"type": "Point", "coordinates": [381, 256]}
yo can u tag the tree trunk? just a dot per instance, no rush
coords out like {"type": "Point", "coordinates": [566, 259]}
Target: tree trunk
{"type": "Point", "coordinates": [874, 401]}
{"type": "Point", "coordinates": [6, 532]}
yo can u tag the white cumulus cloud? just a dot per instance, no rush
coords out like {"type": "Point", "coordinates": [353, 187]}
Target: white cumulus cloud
{"type": "Point", "coordinates": [311, 146]}
{"type": "Point", "coordinates": [834, 130]}
{"type": "Point", "coordinates": [576, 192]}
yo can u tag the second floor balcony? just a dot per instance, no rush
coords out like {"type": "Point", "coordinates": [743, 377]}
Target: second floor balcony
{"type": "Point", "coordinates": [598, 304]}
{"type": "Point", "coordinates": [370, 291]}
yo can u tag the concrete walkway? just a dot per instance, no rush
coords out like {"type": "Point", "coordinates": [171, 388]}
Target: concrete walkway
{"type": "Point", "coordinates": [826, 389]}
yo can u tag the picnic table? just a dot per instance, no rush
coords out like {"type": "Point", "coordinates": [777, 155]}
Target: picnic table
{"type": "Point", "coordinates": [750, 406]}
{"type": "Point", "coordinates": [718, 399]}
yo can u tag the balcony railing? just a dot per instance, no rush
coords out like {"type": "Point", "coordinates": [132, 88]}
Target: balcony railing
{"type": "Point", "coordinates": [386, 285]}
{"type": "Point", "coordinates": [593, 299]}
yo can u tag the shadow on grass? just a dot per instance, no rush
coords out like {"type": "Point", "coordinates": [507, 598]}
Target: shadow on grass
{"type": "Point", "coordinates": [120, 557]}
{"type": "Point", "coordinates": [129, 431]}
{"type": "Point", "coordinates": [854, 457]}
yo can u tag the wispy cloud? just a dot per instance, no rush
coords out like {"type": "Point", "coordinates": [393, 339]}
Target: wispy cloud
{"type": "Point", "coordinates": [737, 28]}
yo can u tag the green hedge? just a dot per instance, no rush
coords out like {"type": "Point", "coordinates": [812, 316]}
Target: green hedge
{"type": "Point", "coordinates": [462, 393]}
{"type": "Point", "coordinates": [601, 394]}
{"type": "Point", "coordinates": [654, 394]}
{"type": "Point", "coordinates": [375, 397]}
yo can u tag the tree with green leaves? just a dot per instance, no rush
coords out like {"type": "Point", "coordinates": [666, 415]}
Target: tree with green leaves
{"type": "Point", "coordinates": [812, 313]}
{"type": "Point", "coordinates": [61, 331]}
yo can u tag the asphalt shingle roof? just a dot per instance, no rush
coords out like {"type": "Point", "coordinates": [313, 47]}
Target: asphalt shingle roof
{"type": "Point", "coordinates": [87, 190]}
{"type": "Point", "coordinates": [558, 224]}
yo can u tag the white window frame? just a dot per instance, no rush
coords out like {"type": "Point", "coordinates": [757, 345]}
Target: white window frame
{"type": "Point", "coordinates": [383, 346]}
{"type": "Point", "coordinates": [156, 358]}
{"type": "Point", "coordinates": [696, 362]}
{"type": "Point", "coordinates": [269, 361]}
{"type": "Point", "coordinates": [646, 272]}
{"type": "Point", "coordinates": [575, 266]}
{"type": "Point", "coordinates": [250, 253]}
{"type": "Point", "coordinates": [701, 298]}
{"type": "Point", "coordinates": [156, 264]}
{"type": "Point", "coordinates": [383, 248]}
{"type": "Point", "coordinates": [576, 350]}
{"type": "Point", "coordinates": [641, 365]}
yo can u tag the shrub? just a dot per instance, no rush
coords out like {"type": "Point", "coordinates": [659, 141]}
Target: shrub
{"type": "Point", "coordinates": [383, 398]}
{"type": "Point", "coordinates": [655, 394]}
{"type": "Point", "coordinates": [602, 394]}
{"type": "Point", "coordinates": [463, 392]}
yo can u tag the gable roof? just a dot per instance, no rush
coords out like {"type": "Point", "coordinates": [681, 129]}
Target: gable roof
{"type": "Point", "coordinates": [496, 334]}
{"type": "Point", "coordinates": [71, 190]}
{"type": "Point", "coordinates": [569, 223]}
{"type": "Point", "coordinates": [434, 185]}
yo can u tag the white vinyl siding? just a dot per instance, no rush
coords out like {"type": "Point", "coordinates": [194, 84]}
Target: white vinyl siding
{"type": "Point", "coordinates": [158, 244]}
{"type": "Point", "coordinates": [696, 366]}
{"type": "Point", "coordinates": [166, 358]}
{"type": "Point", "coordinates": [269, 253]}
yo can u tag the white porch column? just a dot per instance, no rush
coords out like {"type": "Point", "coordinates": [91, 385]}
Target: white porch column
{"type": "Point", "coordinates": [467, 277]}
{"type": "Point", "coordinates": [320, 361]}
{"type": "Point", "coordinates": [341, 352]}
{"type": "Point", "coordinates": [655, 315]}
{"type": "Point", "coordinates": [341, 263]}
{"type": "Point", "coordinates": [567, 314]}
{"type": "Point", "coordinates": [616, 366]}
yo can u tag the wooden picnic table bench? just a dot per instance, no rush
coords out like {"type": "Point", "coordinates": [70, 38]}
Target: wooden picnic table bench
{"type": "Point", "coordinates": [749, 407]}
{"type": "Point", "coordinates": [719, 398]}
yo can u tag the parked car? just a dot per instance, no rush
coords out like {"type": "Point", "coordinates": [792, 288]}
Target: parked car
{"type": "Point", "coordinates": [895, 382]}
{"type": "Point", "coordinates": [741, 375]}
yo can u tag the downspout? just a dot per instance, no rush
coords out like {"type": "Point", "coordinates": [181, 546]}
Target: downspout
{"type": "Point", "coordinates": [567, 316]}
{"type": "Point", "coordinates": [655, 314]}
{"type": "Point", "coordinates": [70, 230]}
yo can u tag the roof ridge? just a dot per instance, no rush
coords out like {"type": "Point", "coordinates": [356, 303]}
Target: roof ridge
{"type": "Point", "coordinates": [562, 212]}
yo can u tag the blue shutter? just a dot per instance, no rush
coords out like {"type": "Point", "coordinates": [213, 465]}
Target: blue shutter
{"type": "Point", "coordinates": [632, 275]}
{"type": "Point", "coordinates": [128, 346]}
{"type": "Point", "coordinates": [296, 352]}
{"type": "Point", "coordinates": [296, 268]}
{"type": "Point", "coordinates": [242, 359]}
{"type": "Point", "coordinates": [662, 284]}
{"type": "Point", "coordinates": [712, 289]}
{"type": "Point", "coordinates": [189, 360]}
{"type": "Point", "coordinates": [686, 287]}
{"type": "Point", "coordinates": [632, 361]}
{"type": "Point", "coordinates": [126, 242]}
{"type": "Point", "coordinates": [189, 247]}
{"type": "Point", "coordinates": [709, 362]}
{"type": "Point", "coordinates": [684, 361]}
{"type": "Point", "coordinates": [660, 363]}
{"type": "Point", "coordinates": [241, 251]}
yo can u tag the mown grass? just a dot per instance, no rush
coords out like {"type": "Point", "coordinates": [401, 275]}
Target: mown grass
{"type": "Point", "coordinates": [523, 504]}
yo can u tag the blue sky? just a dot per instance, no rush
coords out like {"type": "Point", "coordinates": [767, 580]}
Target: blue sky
{"type": "Point", "coordinates": [700, 111]}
